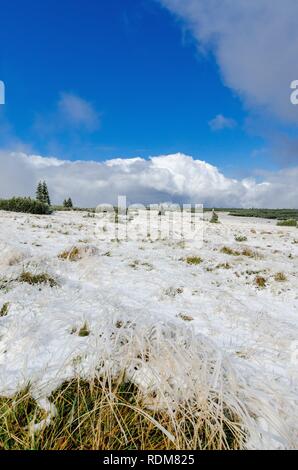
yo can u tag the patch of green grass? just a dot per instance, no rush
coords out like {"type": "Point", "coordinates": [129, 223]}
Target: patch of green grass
{"type": "Point", "coordinates": [32, 279]}
{"type": "Point", "coordinates": [281, 214]}
{"type": "Point", "coordinates": [194, 260]}
{"type": "Point", "coordinates": [287, 223]}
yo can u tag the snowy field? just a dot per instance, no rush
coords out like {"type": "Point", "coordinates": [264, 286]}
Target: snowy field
{"type": "Point", "coordinates": [111, 298]}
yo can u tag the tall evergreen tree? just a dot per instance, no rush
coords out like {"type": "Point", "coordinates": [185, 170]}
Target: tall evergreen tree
{"type": "Point", "coordinates": [39, 192]}
{"type": "Point", "coordinates": [45, 194]}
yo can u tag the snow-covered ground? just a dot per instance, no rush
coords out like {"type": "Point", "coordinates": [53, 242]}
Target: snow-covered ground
{"type": "Point", "coordinates": [147, 284]}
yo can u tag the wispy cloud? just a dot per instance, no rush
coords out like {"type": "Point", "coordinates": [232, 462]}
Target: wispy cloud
{"type": "Point", "coordinates": [221, 122]}
{"type": "Point", "coordinates": [70, 114]}
{"type": "Point", "coordinates": [77, 112]}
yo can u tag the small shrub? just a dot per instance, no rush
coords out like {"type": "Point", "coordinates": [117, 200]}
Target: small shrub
{"type": "Point", "coordinates": [287, 223]}
{"type": "Point", "coordinates": [32, 279]}
{"type": "Point", "coordinates": [280, 277]}
{"type": "Point", "coordinates": [193, 260]}
{"type": "Point", "coordinates": [4, 309]}
{"type": "Point", "coordinates": [260, 282]}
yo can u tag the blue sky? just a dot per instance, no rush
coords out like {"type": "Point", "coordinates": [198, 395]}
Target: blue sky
{"type": "Point", "coordinates": [202, 85]}
{"type": "Point", "coordinates": [137, 68]}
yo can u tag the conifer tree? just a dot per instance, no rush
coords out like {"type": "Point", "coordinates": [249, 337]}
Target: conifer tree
{"type": "Point", "coordinates": [39, 192]}
{"type": "Point", "coordinates": [68, 203]}
{"type": "Point", "coordinates": [45, 194]}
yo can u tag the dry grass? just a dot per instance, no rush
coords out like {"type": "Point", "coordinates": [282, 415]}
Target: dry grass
{"type": "Point", "coordinates": [244, 252]}
{"type": "Point", "coordinates": [73, 254]}
{"type": "Point", "coordinates": [4, 309]}
{"type": "Point", "coordinates": [32, 279]}
{"type": "Point", "coordinates": [280, 277]}
{"type": "Point", "coordinates": [185, 317]}
{"type": "Point", "coordinates": [111, 415]}
{"type": "Point", "coordinates": [260, 282]}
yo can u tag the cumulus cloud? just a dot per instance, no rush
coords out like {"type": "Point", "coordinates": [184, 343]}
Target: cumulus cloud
{"type": "Point", "coordinates": [221, 122]}
{"type": "Point", "coordinates": [255, 44]}
{"type": "Point", "coordinates": [178, 178]}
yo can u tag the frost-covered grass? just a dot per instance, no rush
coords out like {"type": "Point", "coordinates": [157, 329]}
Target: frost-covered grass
{"type": "Point", "coordinates": [206, 353]}
{"type": "Point", "coordinates": [107, 414]}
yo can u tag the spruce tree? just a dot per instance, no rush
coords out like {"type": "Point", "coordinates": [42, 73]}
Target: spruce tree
{"type": "Point", "coordinates": [68, 203]}
{"type": "Point", "coordinates": [39, 192]}
{"type": "Point", "coordinates": [45, 194]}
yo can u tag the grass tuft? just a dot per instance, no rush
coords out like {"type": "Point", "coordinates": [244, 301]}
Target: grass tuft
{"type": "Point", "coordinates": [4, 309]}
{"type": "Point", "coordinates": [33, 279]}
{"type": "Point", "coordinates": [105, 414]}
{"type": "Point", "coordinates": [84, 330]}
{"type": "Point", "coordinates": [70, 255]}
{"type": "Point", "coordinates": [280, 277]}
{"type": "Point", "coordinates": [260, 282]}
{"type": "Point", "coordinates": [194, 260]}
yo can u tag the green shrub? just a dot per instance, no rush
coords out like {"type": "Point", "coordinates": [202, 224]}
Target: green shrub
{"type": "Point", "coordinates": [24, 204]}
{"type": "Point", "coordinates": [287, 223]}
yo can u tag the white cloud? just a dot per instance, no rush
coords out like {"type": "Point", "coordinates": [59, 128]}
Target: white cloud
{"type": "Point", "coordinates": [221, 122]}
{"type": "Point", "coordinates": [255, 44]}
{"type": "Point", "coordinates": [177, 178]}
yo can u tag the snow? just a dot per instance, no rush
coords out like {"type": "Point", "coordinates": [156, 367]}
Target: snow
{"type": "Point", "coordinates": [133, 294]}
